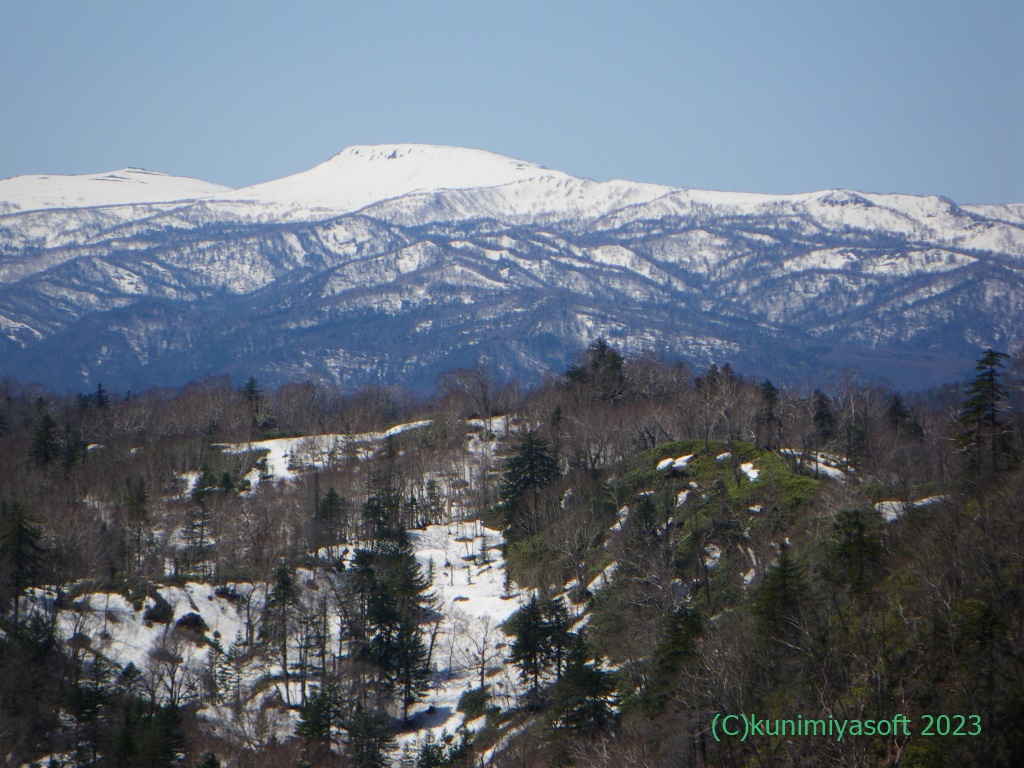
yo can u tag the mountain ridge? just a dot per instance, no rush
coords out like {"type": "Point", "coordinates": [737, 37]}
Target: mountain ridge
{"type": "Point", "coordinates": [780, 285]}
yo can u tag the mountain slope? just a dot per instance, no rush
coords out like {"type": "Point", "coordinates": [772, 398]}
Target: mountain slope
{"type": "Point", "coordinates": [123, 187]}
{"type": "Point", "coordinates": [394, 263]}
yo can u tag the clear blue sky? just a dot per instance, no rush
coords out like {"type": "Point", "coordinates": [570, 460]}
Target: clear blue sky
{"type": "Point", "coordinates": [923, 97]}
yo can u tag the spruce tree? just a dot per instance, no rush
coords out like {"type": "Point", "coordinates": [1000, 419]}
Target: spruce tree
{"type": "Point", "coordinates": [44, 447]}
{"type": "Point", "coordinates": [583, 697]}
{"type": "Point", "coordinates": [560, 638]}
{"type": "Point", "coordinates": [768, 421]}
{"type": "Point", "coordinates": [278, 616]}
{"type": "Point", "coordinates": [370, 739]}
{"type": "Point", "coordinates": [22, 556]}
{"type": "Point", "coordinates": [678, 643]}
{"type": "Point", "coordinates": [528, 470]}
{"type": "Point", "coordinates": [530, 649]}
{"type": "Point", "coordinates": [397, 603]}
{"type": "Point", "coordinates": [858, 549]}
{"type": "Point", "coordinates": [985, 440]}
{"type": "Point", "coordinates": [778, 600]}
{"type": "Point", "coordinates": [101, 398]}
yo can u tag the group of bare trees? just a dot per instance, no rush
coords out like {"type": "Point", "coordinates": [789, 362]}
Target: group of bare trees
{"type": "Point", "coordinates": [123, 491]}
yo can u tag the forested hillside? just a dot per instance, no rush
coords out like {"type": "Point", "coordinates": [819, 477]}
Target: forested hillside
{"type": "Point", "coordinates": [599, 571]}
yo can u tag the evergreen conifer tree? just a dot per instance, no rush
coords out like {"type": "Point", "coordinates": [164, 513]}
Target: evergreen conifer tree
{"type": "Point", "coordinates": [278, 616]}
{"type": "Point", "coordinates": [44, 447]}
{"type": "Point", "coordinates": [583, 696]}
{"type": "Point", "coordinates": [985, 440]}
{"type": "Point", "coordinates": [100, 397]}
{"type": "Point", "coordinates": [530, 649]}
{"type": "Point", "coordinates": [528, 470]}
{"type": "Point", "coordinates": [22, 555]}
{"type": "Point", "coordinates": [768, 421]}
{"type": "Point", "coordinates": [778, 600]}
{"type": "Point", "coordinates": [858, 550]}
{"type": "Point", "coordinates": [370, 739]}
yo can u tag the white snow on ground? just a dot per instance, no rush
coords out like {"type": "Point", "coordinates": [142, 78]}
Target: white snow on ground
{"type": "Point", "coordinates": [713, 553]}
{"type": "Point", "coordinates": [757, 509]}
{"type": "Point", "coordinates": [471, 596]}
{"type": "Point", "coordinates": [894, 510]}
{"type": "Point", "coordinates": [286, 456]}
{"type": "Point", "coordinates": [361, 175]}
{"type": "Point", "coordinates": [671, 464]}
{"type": "Point", "coordinates": [121, 634]}
{"type": "Point", "coordinates": [681, 498]}
{"type": "Point", "coordinates": [124, 187]}
{"type": "Point", "coordinates": [819, 463]}
{"type": "Point", "coordinates": [748, 577]}
{"type": "Point", "coordinates": [57, 758]}
{"type": "Point", "coordinates": [189, 479]}
{"type": "Point", "coordinates": [749, 470]}
{"type": "Point", "coordinates": [470, 601]}
{"type": "Point", "coordinates": [723, 456]}
{"type": "Point", "coordinates": [682, 462]}
{"type": "Point", "coordinates": [622, 516]}
{"type": "Point", "coordinates": [603, 579]}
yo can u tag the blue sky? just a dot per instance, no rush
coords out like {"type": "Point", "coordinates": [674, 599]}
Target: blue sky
{"type": "Point", "coordinates": [908, 96]}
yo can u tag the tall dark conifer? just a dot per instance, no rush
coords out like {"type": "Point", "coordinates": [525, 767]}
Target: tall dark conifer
{"type": "Point", "coordinates": [985, 440]}
{"type": "Point", "coordinates": [529, 468]}
{"type": "Point", "coordinates": [21, 553]}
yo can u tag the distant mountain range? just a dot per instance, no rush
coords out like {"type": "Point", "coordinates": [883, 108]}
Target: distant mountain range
{"type": "Point", "coordinates": [394, 263]}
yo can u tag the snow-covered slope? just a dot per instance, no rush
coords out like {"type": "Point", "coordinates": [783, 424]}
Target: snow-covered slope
{"type": "Point", "coordinates": [457, 255]}
{"type": "Point", "coordinates": [124, 187]}
{"type": "Point", "coordinates": [361, 175]}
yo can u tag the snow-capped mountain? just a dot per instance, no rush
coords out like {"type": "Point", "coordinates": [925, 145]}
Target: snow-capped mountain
{"type": "Point", "coordinates": [124, 187]}
{"type": "Point", "coordinates": [396, 262]}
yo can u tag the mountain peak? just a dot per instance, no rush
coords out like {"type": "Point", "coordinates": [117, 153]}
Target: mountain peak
{"type": "Point", "coordinates": [364, 174]}
{"type": "Point", "coordinates": [127, 186]}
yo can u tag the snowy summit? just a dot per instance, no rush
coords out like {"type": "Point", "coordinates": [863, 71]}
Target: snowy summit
{"type": "Point", "coordinates": [127, 186]}
{"type": "Point", "coordinates": [364, 174]}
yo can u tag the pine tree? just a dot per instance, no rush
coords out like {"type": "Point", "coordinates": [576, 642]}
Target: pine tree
{"type": "Point", "coordinates": [89, 706]}
{"type": "Point", "coordinates": [600, 372]}
{"type": "Point", "coordinates": [896, 412]}
{"type": "Point", "coordinates": [134, 518]}
{"type": "Point", "coordinates": [370, 738]}
{"type": "Point", "coordinates": [22, 556]}
{"type": "Point", "coordinates": [528, 470]}
{"type": "Point", "coordinates": [677, 645]}
{"type": "Point", "coordinates": [557, 624]}
{"type": "Point", "coordinates": [768, 420]}
{"type": "Point", "coordinates": [824, 418]}
{"type": "Point", "coordinates": [100, 397]}
{"type": "Point", "coordinates": [251, 391]}
{"type": "Point", "coordinates": [320, 718]}
{"type": "Point", "coordinates": [778, 600]}
{"type": "Point", "coordinates": [530, 649]}
{"type": "Point", "coordinates": [985, 440]}
{"type": "Point", "coordinates": [583, 696]}
{"type": "Point", "coordinates": [278, 616]}
{"type": "Point", "coordinates": [383, 507]}
{"type": "Point", "coordinates": [44, 447]}
{"type": "Point", "coordinates": [398, 598]}
{"type": "Point", "coordinates": [858, 550]}
{"type": "Point", "coordinates": [197, 535]}
{"type": "Point", "coordinates": [228, 674]}
{"type": "Point", "coordinates": [330, 515]}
